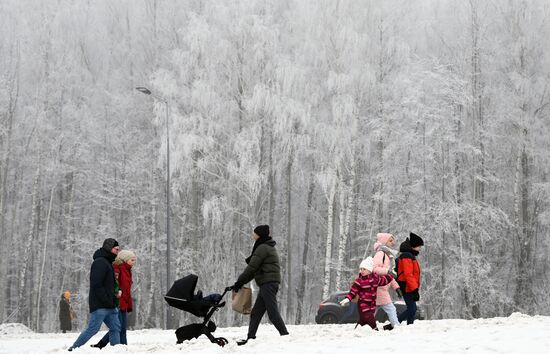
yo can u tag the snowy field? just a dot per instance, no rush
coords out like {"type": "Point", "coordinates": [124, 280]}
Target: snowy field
{"type": "Point", "coordinates": [515, 334]}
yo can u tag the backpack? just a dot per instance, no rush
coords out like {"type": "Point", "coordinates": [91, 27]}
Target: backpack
{"type": "Point", "coordinates": [395, 268]}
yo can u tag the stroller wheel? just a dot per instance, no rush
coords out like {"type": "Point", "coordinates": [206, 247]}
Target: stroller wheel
{"type": "Point", "coordinates": [221, 341]}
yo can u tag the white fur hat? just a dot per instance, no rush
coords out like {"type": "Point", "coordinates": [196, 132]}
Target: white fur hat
{"type": "Point", "coordinates": [367, 263]}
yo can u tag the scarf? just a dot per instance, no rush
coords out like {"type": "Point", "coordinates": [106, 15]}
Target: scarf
{"type": "Point", "coordinates": [256, 244]}
{"type": "Point", "coordinates": [389, 251]}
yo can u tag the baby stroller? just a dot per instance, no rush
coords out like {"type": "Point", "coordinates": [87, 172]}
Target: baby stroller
{"type": "Point", "coordinates": [182, 296]}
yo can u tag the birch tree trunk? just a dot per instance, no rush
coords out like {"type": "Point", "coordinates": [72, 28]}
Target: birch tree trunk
{"type": "Point", "coordinates": [68, 243]}
{"type": "Point", "coordinates": [154, 286]}
{"type": "Point", "coordinates": [300, 293]}
{"type": "Point", "coordinates": [477, 102]}
{"type": "Point", "coordinates": [443, 237]}
{"type": "Point", "coordinates": [24, 291]}
{"type": "Point", "coordinates": [43, 263]}
{"type": "Point", "coordinates": [345, 219]}
{"type": "Point", "coordinates": [6, 142]}
{"type": "Point", "coordinates": [271, 182]}
{"type": "Point", "coordinates": [328, 247]}
{"type": "Point", "coordinates": [195, 208]}
{"type": "Point", "coordinates": [289, 289]}
{"type": "Point", "coordinates": [523, 296]}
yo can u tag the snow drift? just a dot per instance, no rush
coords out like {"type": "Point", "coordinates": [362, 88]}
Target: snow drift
{"type": "Point", "coordinates": [513, 334]}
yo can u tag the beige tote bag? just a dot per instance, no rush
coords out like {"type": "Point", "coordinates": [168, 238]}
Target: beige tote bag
{"type": "Point", "coordinates": [242, 301]}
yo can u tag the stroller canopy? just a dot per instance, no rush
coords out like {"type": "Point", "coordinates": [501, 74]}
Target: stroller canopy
{"type": "Point", "coordinates": [184, 288]}
{"type": "Point", "coordinates": [181, 296]}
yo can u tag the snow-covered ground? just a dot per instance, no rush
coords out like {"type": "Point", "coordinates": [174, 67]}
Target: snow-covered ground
{"type": "Point", "coordinates": [515, 334]}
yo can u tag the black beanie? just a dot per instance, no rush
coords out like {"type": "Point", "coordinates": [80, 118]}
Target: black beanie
{"type": "Point", "coordinates": [415, 240]}
{"type": "Point", "coordinates": [262, 231]}
{"type": "Point", "coordinates": [109, 243]}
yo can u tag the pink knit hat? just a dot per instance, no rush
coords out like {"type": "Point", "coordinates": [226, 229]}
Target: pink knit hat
{"type": "Point", "coordinates": [381, 240]}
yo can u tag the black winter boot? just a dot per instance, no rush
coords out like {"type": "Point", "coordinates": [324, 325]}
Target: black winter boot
{"type": "Point", "coordinates": [99, 345]}
{"type": "Point", "coordinates": [244, 341]}
{"type": "Point", "coordinates": [388, 327]}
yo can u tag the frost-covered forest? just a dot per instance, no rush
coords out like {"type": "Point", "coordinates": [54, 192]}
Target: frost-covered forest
{"type": "Point", "coordinates": [330, 120]}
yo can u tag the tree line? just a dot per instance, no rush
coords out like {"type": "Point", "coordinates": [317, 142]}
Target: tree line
{"type": "Point", "coordinates": [328, 120]}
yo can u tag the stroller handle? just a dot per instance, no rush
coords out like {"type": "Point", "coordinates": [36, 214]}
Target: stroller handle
{"type": "Point", "coordinates": [227, 289]}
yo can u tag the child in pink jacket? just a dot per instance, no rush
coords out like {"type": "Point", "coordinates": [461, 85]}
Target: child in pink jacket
{"type": "Point", "coordinates": [365, 286]}
{"type": "Point", "coordinates": [384, 262]}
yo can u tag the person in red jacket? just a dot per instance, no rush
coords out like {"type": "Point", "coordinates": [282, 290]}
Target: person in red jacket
{"type": "Point", "coordinates": [408, 275]}
{"type": "Point", "coordinates": [122, 266]}
{"type": "Point", "coordinates": [365, 287]}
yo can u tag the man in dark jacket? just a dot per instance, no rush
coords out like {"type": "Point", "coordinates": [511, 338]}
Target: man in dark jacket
{"type": "Point", "coordinates": [263, 267]}
{"type": "Point", "coordinates": [102, 299]}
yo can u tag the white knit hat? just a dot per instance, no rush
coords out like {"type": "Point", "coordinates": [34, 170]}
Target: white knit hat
{"type": "Point", "coordinates": [123, 256]}
{"type": "Point", "coordinates": [367, 263]}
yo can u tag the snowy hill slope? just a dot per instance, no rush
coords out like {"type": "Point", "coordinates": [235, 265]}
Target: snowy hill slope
{"type": "Point", "coordinates": [512, 334]}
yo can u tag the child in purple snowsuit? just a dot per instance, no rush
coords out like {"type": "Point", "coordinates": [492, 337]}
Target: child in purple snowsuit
{"type": "Point", "coordinates": [366, 286]}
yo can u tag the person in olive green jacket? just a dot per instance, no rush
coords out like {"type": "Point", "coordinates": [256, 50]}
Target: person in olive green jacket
{"type": "Point", "coordinates": [263, 267]}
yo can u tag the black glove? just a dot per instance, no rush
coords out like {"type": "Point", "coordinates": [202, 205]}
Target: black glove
{"type": "Point", "coordinates": [237, 286]}
{"type": "Point", "coordinates": [415, 295]}
{"type": "Point", "coordinates": [399, 293]}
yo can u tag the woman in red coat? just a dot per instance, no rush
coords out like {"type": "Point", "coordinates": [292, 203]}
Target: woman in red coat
{"type": "Point", "coordinates": [408, 275]}
{"type": "Point", "coordinates": [122, 266]}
